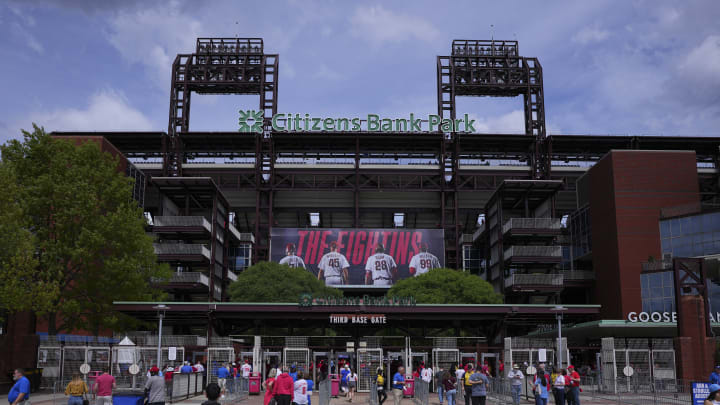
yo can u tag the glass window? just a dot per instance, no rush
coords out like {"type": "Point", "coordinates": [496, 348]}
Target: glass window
{"type": "Point", "coordinates": [675, 227]}
{"type": "Point", "coordinates": [664, 229]}
{"type": "Point", "coordinates": [667, 278]}
{"type": "Point", "coordinates": [685, 227]}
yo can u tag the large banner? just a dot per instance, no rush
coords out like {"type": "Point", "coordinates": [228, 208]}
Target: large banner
{"type": "Point", "coordinates": [359, 257]}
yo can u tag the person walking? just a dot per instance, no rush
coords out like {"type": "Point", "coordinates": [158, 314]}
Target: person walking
{"type": "Point", "coordinates": [223, 373]}
{"type": "Point", "coordinates": [516, 378]}
{"type": "Point", "coordinates": [300, 390]}
{"type": "Point", "coordinates": [449, 385]}
{"type": "Point", "coordinates": [398, 384]}
{"type": "Point", "coordinates": [574, 392]}
{"type": "Point", "coordinates": [559, 387]}
{"type": "Point", "coordinates": [380, 382]}
{"type": "Point", "coordinates": [541, 382]}
{"type": "Point", "coordinates": [284, 388]}
{"type": "Point", "coordinates": [20, 392]}
{"type": "Point", "coordinates": [467, 386]}
{"type": "Point", "coordinates": [714, 397]}
{"type": "Point", "coordinates": [76, 389]}
{"type": "Point", "coordinates": [439, 374]}
{"type": "Point", "coordinates": [478, 387]}
{"type": "Point", "coordinates": [310, 387]}
{"type": "Point", "coordinates": [352, 379]}
{"type": "Point", "coordinates": [104, 386]}
{"type": "Point", "coordinates": [168, 376]}
{"type": "Point", "coordinates": [269, 386]}
{"type": "Point", "coordinates": [155, 388]}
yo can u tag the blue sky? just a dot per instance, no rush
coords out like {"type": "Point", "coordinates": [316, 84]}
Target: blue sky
{"type": "Point", "coordinates": [610, 67]}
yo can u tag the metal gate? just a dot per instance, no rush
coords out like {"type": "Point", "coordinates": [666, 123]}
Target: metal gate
{"type": "Point", "coordinates": [73, 358]}
{"type": "Point", "coordinates": [98, 358]}
{"type": "Point", "coordinates": [445, 359]}
{"type": "Point", "coordinates": [368, 361]}
{"type": "Point", "coordinates": [298, 357]}
{"type": "Point", "coordinates": [270, 361]}
{"type": "Point", "coordinates": [217, 357]}
{"type": "Point", "coordinates": [49, 359]}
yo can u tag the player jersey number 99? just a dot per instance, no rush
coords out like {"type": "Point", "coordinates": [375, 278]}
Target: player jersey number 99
{"type": "Point", "coordinates": [425, 263]}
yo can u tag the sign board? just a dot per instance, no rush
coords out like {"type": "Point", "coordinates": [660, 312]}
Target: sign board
{"type": "Point", "coordinates": [350, 344]}
{"type": "Point", "coordinates": [357, 251]}
{"type": "Point", "coordinates": [542, 355]}
{"type": "Point", "coordinates": [700, 391]}
{"type": "Point", "coordinates": [172, 353]}
{"type": "Point", "coordinates": [85, 368]}
{"type": "Point", "coordinates": [134, 369]}
{"type": "Point", "coordinates": [364, 319]}
{"type": "Point", "coordinates": [628, 371]}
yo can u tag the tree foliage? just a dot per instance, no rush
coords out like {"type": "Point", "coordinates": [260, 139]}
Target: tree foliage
{"type": "Point", "coordinates": [272, 282]}
{"type": "Point", "coordinates": [446, 286]}
{"type": "Point", "coordinates": [79, 236]}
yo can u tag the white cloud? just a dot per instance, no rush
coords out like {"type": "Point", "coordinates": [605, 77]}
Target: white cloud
{"type": "Point", "coordinates": [590, 34]}
{"type": "Point", "coordinates": [703, 62]}
{"type": "Point", "coordinates": [107, 110]}
{"type": "Point", "coordinates": [379, 25]}
{"type": "Point", "coordinates": [509, 123]}
{"type": "Point", "coordinates": [326, 73]}
{"type": "Point", "coordinates": [153, 36]}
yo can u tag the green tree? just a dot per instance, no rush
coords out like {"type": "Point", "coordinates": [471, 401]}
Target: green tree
{"type": "Point", "coordinates": [446, 286]}
{"type": "Point", "coordinates": [80, 236]}
{"type": "Point", "coordinates": [272, 282]}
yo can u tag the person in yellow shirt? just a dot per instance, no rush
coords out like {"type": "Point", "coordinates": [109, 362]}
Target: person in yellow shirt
{"type": "Point", "coordinates": [75, 390]}
{"type": "Point", "coordinates": [382, 395]}
{"type": "Point", "coordinates": [468, 387]}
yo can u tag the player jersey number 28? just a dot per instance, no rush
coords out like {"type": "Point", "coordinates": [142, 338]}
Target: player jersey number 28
{"type": "Point", "coordinates": [381, 265]}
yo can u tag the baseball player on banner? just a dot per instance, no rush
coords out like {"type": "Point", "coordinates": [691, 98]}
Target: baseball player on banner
{"type": "Point", "coordinates": [423, 262]}
{"type": "Point", "coordinates": [380, 268]}
{"type": "Point", "coordinates": [334, 267]}
{"type": "Point", "coordinates": [291, 259]}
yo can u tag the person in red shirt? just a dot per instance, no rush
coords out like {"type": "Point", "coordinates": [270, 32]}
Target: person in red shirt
{"type": "Point", "coordinates": [284, 388]}
{"type": "Point", "coordinates": [168, 374]}
{"type": "Point", "coordinates": [104, 385]}
{"type": "Point", "coordinates": [269, 386]}
{"type": "Point", "coordinates": [574, 393]}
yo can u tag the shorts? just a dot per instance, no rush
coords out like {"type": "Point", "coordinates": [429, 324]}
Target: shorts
{"type": "Point", "coordinates": [352, 384]}
{"type": "Point", "coordinates": [221, 382]}
{"type": "Point", "coordinates": [106, 400]}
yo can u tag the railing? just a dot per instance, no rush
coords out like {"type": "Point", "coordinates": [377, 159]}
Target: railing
{"type": "Point", "coordinates": [552, 279]}
{"type": "Point", "coordinates": [232, 276]}
{"type": "Point", "coordinates": [185, 277]}
{"type": "Point", "coordinates": [532, 223]}
{"type": "Point", "coordinates": [180, 221]}
{"type": "Point", "coordinates": [182, 249]}
{"type": "Point", "coordinates": [533, 251]}
{"type": "Point", "coordinates": [185, 386]}
{"type": "Point", "coordinates": [576, 275]}
{"type": "Point", "coordinates": [478, 232]}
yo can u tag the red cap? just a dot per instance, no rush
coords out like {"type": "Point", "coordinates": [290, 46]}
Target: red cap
{"type": "Point", "coordinates": [571, 366]}
{"type": "Point", "coordinates": [154, 369]}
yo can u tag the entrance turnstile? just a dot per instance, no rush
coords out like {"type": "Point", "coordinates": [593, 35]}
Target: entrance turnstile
{"type": "Point", "coordinates": [317, 357]}
{"type": "Point", "coordinates": [394, 360]}
{"type": "Point", "coordinates": [491, 360]}
{"type": "Point", "coordinates": [418, 358]}
{"type": "Point", "coordinates": [368, 361]}
{"type": "Point", "coordinates": [270, 361]}
{"type": "Point", "coordinates": [298, 358]}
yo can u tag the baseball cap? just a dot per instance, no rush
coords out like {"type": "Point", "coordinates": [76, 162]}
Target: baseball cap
{"type": "Point", "coordinates": [516, 365]}
{"type": "Point", "coordinates": [154, 369]}
{"type": "Point", "coordinates": [170, 369]}
{"type": "Point", "coordinates": [571, 366]}
{"type": "Point", "coordinates": [714, 387]}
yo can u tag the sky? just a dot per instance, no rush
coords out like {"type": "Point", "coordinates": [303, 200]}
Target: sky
{"type": "Point", "coordinates": [610, 67]}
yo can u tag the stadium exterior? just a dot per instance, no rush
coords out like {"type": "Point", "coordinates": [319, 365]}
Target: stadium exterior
{"type": "Point", "coordinates": [572, 220]}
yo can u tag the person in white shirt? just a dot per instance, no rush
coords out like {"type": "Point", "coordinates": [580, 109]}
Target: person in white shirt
{"type": "Point", "coordinates": [334, 267]}
{"type": "Point", "coordinates": [559, 386]}
{"type": "Point", "coordinates": [516, 380]}
{"type": "Point", "coordinates": [352, 379]}
{"type": "Point", "coordinates": [199, 367]}
{"type": "Point", "coordinates": [300, 387]}
{"type": "Point", "coordinates": [427, 374]}
{"type": "Point", "coordinates": [291, 259]}
{"type": "Point", "coordinates": [380, 268]}
{"type": "Point", "coordinates": [423, 262]}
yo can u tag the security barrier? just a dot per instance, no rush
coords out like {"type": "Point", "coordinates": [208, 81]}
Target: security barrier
{"type": "Point", "coordinates": [186, 385]}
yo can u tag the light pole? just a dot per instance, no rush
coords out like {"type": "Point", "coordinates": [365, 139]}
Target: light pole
{"type": "Point", "coordinates": [559, 309]}
{"type": "Point", "coordinates": [161, 314]}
